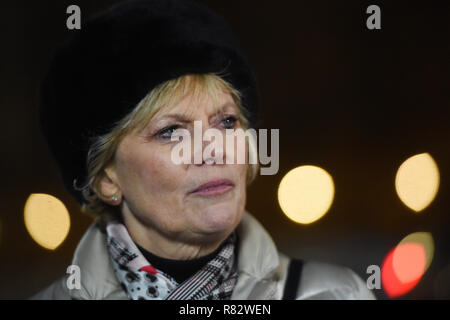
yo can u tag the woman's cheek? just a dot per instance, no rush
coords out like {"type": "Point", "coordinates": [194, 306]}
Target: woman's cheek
{"type": "Point", "coordinates": [160, 173]}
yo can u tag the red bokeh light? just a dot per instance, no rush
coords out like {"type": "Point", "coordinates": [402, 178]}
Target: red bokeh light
{"type": "Point", "coordinates": [403, 268]}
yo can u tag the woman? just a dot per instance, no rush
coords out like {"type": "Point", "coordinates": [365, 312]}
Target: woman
{"type": "Point", "coordinates": [116, 101]}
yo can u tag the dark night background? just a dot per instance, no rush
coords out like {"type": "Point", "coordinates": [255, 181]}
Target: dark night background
{"type": "Point", "coordinates": [353, 101]}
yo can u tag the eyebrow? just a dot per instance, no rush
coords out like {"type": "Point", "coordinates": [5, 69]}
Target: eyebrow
{"type": "Point", "coordinates": [183, 118]}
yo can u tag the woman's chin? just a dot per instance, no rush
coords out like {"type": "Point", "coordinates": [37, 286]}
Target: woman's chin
{"type": "Point", "coordinates": [219, 221]}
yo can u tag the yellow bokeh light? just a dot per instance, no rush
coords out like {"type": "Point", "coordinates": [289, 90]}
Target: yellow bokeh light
{"type": "Point", "coordinates": [46, 219]}
{"type": "Point", "coordinates": [425, 239]}
{"type": "Point", "coordinates": [417, 181]}
{"type": "Point", "coordinates": [306, 193]}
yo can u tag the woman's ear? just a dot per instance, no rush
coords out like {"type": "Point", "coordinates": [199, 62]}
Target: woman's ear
{"type": "Point", "coordinates": [109, 190]}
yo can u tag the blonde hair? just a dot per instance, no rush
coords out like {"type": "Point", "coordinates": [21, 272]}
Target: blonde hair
{"type": "Point", "coordinates": [166, 95]}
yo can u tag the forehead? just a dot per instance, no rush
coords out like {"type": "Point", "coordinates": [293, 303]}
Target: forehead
{"type": "Point", "coordinates": [198, 105]}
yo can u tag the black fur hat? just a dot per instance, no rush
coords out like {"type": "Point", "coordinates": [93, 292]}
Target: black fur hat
{"type": "Point", "coordinates": [118, 56]}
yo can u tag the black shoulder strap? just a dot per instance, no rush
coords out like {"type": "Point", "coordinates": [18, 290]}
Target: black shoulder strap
{"type": "Point", "coordinates": [292, 279]}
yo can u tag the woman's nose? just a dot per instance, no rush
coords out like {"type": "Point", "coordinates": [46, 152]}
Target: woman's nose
{"type": "Point", "coordinates": [209, 147]}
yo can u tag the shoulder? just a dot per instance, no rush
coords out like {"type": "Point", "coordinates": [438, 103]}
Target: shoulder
{"type": "Point", "coordinates": [263, 271]}
{"type": "Point", "coordinates": [97, 280]}
{"type": "Point", "coordinates": [55, 291]}
{"type": "Point", "coordinates": [328, 281]}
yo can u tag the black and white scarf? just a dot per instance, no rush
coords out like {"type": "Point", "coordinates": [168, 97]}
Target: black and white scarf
{"type": "Point", "coordinates": [141, 281]}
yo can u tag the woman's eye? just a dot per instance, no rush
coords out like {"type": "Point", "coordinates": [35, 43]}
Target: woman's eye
{"type": "Point", "coordinates": [167, 133]}
{"type": "Point", "coordinates": [229, 122]}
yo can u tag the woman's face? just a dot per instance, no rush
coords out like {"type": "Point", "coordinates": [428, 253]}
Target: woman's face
{"type": "Point", "coordinates": [159, 193]}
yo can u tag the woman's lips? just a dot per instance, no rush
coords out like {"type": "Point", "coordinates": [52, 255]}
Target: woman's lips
{"type": "Point", "coordinates": [213, 187]}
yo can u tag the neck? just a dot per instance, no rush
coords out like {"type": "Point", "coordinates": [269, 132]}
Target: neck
{"type": "Point", "coordinates": [160, 244]}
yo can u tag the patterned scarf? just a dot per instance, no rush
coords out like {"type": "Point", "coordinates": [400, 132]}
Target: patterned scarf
{"type": "Point", "coordinates": [141, 281]}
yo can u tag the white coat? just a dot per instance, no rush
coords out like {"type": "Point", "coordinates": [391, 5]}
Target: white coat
{"type": "Point", "coordinates": [262, 271]}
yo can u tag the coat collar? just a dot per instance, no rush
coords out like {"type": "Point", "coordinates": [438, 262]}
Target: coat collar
{"type": "Point", "coordinates": [258, 263]}
{"type": "Point", "coordinates": [98, 280]}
